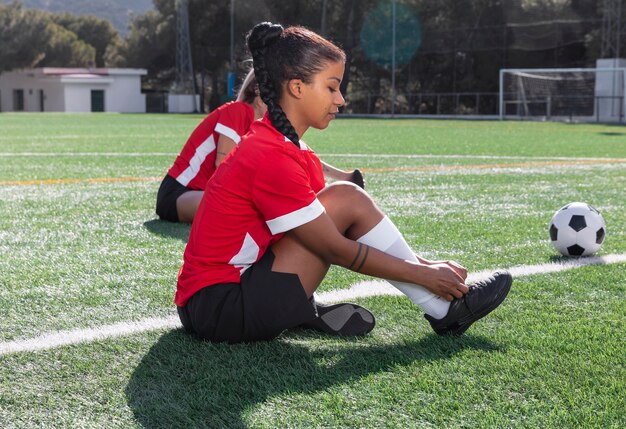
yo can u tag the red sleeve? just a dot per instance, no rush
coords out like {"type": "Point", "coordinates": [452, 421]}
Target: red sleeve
{"type": "Point", "coordinates": [284, 196]}
{"type": "Point", "coordinates": [234, 121]}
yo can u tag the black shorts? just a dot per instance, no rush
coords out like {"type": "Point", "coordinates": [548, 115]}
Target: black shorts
{"type": "Point", "coordinates": [169, 191]}
{"type": "Point", "coordinates": [263, 305]}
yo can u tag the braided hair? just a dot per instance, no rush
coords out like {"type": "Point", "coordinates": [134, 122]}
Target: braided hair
{"type": "Point", "coordinates": [279, 55]}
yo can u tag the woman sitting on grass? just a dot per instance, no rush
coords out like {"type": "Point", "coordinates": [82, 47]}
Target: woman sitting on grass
{"type": "Point", "coordinates": [181, 189]}
{"type": "Point", "coordinates": [268, 228]}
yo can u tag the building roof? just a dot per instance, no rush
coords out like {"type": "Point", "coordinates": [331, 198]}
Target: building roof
{"type": "Point", "coordinates": [63, 71]}
{"type": "Point", "coordinates": [89, 72]}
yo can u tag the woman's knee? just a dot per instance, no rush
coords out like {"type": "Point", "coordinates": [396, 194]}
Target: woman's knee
{"type": "Point", "coordinates": [348, 204]}
{"type": "Point", "coordinates": [344, 193]}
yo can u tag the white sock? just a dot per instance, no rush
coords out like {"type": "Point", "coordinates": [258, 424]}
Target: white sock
{"type": "Point", "coordinates": [387, 238]}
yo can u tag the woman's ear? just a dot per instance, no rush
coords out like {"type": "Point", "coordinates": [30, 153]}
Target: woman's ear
{"type": "Point", "coordinates": [295, 87]}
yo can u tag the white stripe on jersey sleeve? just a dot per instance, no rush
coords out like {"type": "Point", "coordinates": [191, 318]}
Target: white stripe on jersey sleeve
{"type": "Point", "coordinates": [295, 219]}
{"type": "Point", "coordinates": [228, 132]}
{"type": "Point", "coordinates": [196, 161]}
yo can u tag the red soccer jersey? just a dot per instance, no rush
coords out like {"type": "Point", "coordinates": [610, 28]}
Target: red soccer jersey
{"type": "Point", "coordinates": [196, 162]}
{"type": "Point", "coordinates": [266, 187]}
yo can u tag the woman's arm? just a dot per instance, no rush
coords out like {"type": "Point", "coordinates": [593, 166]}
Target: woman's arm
{"type": "Point", "coordinates": [224, 146]}
{"type": "Point", "coordinates": [334, 173]}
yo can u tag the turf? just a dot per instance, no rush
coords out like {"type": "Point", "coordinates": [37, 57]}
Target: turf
{"type": "Point", "coordinates": [80, 248]}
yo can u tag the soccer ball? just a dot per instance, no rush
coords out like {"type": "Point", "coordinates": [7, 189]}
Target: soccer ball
{"type": "Point", "coordinates": [577, 229]}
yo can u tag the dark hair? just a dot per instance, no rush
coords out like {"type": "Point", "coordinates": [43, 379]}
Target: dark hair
{"type": "Point", "coordinates": [279, 55]}
{"type": "Point", "coordinates": [249, 89]}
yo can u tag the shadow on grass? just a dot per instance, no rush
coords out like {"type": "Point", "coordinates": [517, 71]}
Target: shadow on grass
{"type": "Point", "coordinates": [184, 382]}
{"type": "Point", "coordinates": [611, 134]}
{"type": "Point", "coordinates": [618, 125]}
{"type": "Point", "coordinates": [559, 258]}
{"type": "Point", "coordinates": [169, 229]}
{"type": "Point", "coordinates": [564, 259]}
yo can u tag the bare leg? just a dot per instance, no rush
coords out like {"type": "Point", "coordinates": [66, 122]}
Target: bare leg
{"type": "Point", "coordinates": [354, 214]}
{"type": "Point", "coordinates": [187, 205]}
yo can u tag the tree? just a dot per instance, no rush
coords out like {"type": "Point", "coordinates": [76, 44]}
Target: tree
{"type": "Point", "coordinates": [23, 36]}
{"type": "Point", "coordinates": [97, 32]}
{"type": "Point", "coordinates": [65, 49]}
{"type": "Point", "coordinates": [30, 38]}
{"type": "Point", "coordinates": [151, 44]}
{"type": "Point", "coordinates": [462, 43]}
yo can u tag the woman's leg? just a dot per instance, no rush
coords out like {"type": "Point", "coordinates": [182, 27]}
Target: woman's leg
{"type": "Point", "coordinates": [357, 217]}
{"type": "Point", "coordinates": [345, 319]}
{"type": "Point", "coordinates": [187, 205]}
{"type": "Point", "coordinates": [354, 214]}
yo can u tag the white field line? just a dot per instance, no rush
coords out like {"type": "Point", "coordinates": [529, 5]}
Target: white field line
{"type": "Point", "coordinates": [83, 154]}
{"type": "Point", "coordinates": [434, 156]}
{"type": "Point", "coordinates": [380, 287]}
{"type": "Point", "coordinates": [76, 336]}
{"type": "Point", "coordinates": [358, 290]}
{"type": "Point", "coordinates": [321, 155]}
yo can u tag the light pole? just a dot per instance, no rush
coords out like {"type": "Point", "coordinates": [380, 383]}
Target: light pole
{"type": "Point", "coordinates": [231, 74]}
{"type": "Point", "coordinates": [232, 34]}
{"type": "Point", "coordinates": [393, 57]}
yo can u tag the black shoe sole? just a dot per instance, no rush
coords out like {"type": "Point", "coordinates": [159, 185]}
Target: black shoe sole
{"type": "Point", "coordinates": [357, 179]}
{"type": "Point", "coordinates": [344, 320]}
{"type": "Point", "coordinates": [464, 325]}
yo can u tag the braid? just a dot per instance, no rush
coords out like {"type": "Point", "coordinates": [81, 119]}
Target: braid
{"type": "Point", "coordinates": [261, 36]}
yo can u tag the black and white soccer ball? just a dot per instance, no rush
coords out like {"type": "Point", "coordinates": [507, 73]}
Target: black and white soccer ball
{"type": "Point", "coordinates": [577, 229]}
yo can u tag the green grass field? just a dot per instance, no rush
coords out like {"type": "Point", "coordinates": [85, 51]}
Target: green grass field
{"type": "Point", "coordinates": [81, 248]}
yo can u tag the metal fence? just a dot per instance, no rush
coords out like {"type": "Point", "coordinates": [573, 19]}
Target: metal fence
{"type": "Point", "coordinates": [443, 104]}
{"type": "Point", "coordinates": [486, 105]}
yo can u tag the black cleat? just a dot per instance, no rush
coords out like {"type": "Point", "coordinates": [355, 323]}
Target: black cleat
{"type": "Point", "coordinates": [345, 319]}
{"type": "Point", "coordinates": [357, 178]}
{"type": "Point", "coordinates": [483, 297]}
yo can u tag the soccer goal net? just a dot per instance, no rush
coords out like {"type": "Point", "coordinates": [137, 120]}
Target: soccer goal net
{"type": "Point", "coordinates": [563, 94]}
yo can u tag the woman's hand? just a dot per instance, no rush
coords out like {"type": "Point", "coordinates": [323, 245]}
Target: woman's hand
{"type": "Point", "coordinates": [460, 269]}
{"type": "Point", "coordinates": [446, 279]}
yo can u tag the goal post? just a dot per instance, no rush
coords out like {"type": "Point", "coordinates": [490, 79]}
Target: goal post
{"type": "Point", "coordinates": [575, 94]}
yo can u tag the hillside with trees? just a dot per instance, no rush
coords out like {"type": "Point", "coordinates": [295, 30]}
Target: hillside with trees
{"type": "Point", "coordinates": [117, 12]}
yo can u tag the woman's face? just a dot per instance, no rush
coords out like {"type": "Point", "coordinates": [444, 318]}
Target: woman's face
{"type": "Point", "coordinates": [322, 97]}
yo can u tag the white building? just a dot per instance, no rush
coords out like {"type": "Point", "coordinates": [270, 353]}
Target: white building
{"type": "Point", "coordinates": [611, 89]}
{"type": "Point", "coordinates": [51, 89]}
